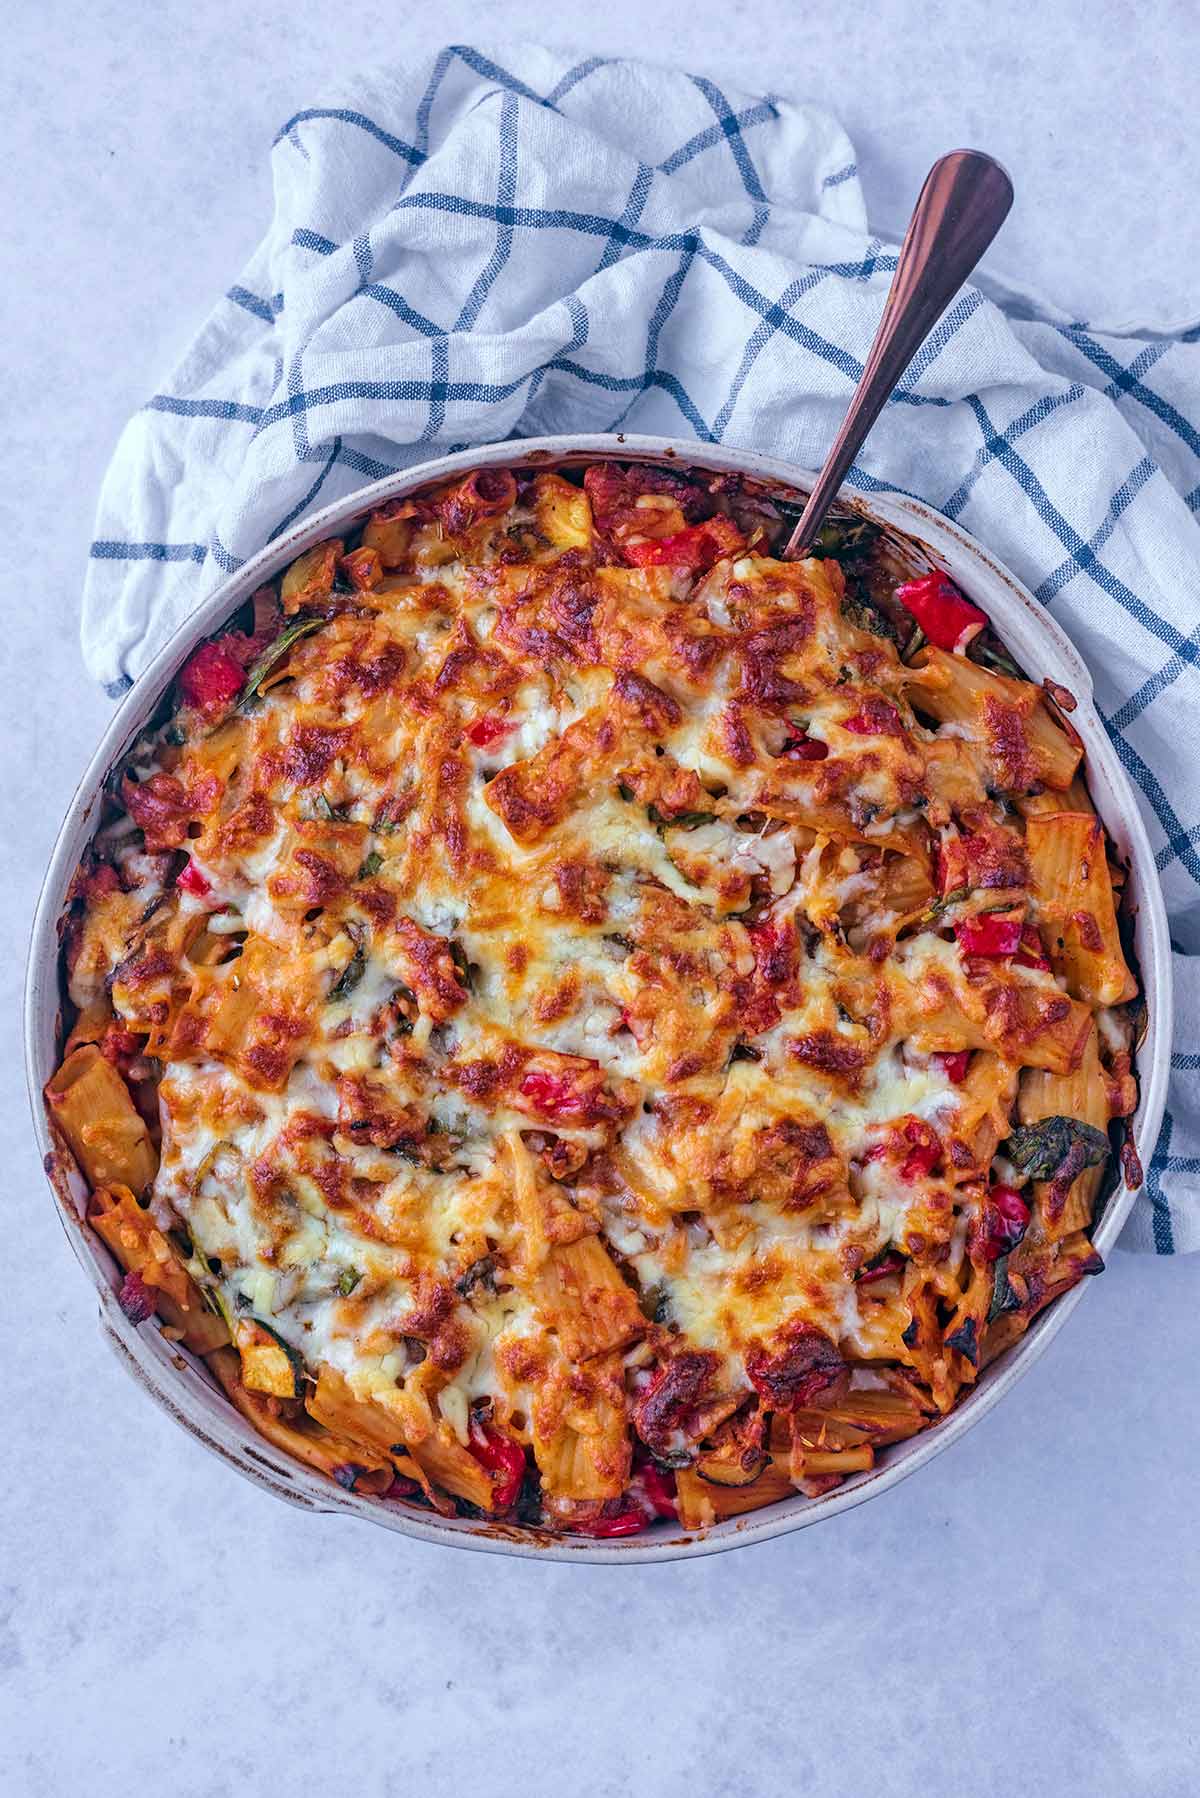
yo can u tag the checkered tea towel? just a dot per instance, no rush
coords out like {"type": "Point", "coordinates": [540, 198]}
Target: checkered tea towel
{"type": "Point", "coordinates": [516, 243]}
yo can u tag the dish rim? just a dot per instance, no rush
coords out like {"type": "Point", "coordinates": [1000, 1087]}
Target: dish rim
{"type": "Point", "coordinates": [173, 1379]}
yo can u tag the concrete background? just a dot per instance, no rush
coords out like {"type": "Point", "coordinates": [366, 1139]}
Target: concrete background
{"type": "Point", "coordinates": [1022, 1616]}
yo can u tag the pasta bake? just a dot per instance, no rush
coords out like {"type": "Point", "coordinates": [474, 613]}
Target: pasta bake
{"type": "Point", "coordinates": [582, 1021]}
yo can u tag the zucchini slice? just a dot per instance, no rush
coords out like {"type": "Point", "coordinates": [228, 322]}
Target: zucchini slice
{"type": "Point", "coordinates": [269, 1364]}
{"type": "Point", "coordinates": [701, 1503]}
{"type": "Point", "coordinates": [728, 1470]}
{"type": "Point", "coordinates": [354, 1467]}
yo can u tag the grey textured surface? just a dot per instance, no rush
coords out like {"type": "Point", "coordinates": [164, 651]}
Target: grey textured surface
{"type": "Point", "coordinates": [1022, 1616]}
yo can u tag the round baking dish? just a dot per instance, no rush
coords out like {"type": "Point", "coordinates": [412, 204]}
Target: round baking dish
{"type": "Point", "coordinates": [181, 1385]}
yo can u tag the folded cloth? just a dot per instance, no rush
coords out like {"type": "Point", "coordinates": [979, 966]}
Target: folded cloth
{"type": "Point", "coordinates": [517, 243]}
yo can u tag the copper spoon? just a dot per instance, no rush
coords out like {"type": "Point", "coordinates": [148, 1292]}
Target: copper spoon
{"type": "Point", "coordinates": [962, 205]}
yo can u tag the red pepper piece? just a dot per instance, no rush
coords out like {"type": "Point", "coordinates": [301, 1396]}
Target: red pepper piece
{"type": "Point", "coordinates": [190, 880]}
{"type": "Point", "coordinates": [212, 679]}
{"type": "Point", "coordinates": [658, 1486]}
{"type": "Point", "coordinates": [553, 1094]}
{"type": "Point", "coordinates": [925, 1153]}
{"type": "Point", "coordinates": [954, 1064]}
{"type": "Point", "coordinates": [800, 747]}
{"type": "Point", "coordinates": [989, 934]}
{"type": "Point", "coordinates": [775, 945]}
{"type": "Point", "coordinates": [1006, 1218]}
{"type": "Point", "coordinates": [685, 549]}
{"type": "Point", "coordinates": [623, 1523]}
{"type": "Point", "coordinates": [917, 1162]}
{"type": "Point", "coordinates": [575, 1090]}
{"type": "Point", "coordinates": [882, 1270]}
{"type": "Point", "coordinates": [503, 1458]}
{"type": "Point", "coordinates": [697, 546]}
{"type": "Point", "coordinates": [1031, 953]}
{"type": "Point", "coordinates": [948, 620]}
{"type": "Point", "coordinates": [489, 729]}
{"type": "Point", "coordinates": [135, 1298]}
{"type": "Point", "coordinates": [877, 719]}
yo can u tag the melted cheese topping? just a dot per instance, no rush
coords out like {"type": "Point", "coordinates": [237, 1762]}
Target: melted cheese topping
{"type": "Point", "coordinates": [545, 901]}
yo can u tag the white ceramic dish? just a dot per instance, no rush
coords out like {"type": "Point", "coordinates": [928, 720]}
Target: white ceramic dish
{"type": "Point", "coordinates": [180, 1384]}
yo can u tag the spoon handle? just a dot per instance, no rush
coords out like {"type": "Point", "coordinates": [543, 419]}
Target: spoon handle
{"type": "Point", "coordinates": [962, 205]}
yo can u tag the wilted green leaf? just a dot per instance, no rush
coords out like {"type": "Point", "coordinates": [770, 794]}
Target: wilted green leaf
{"type": "Point", "coordinates": [272, 655]}
{"type": "Point", "coordinates": [350, 975]}
{"type": "Point", "coordinates": [1039, 1150]}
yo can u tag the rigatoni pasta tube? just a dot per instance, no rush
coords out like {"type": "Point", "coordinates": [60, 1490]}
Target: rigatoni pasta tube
{"type": "Point", "coordinates": [1074, 898]}
{"type": "Point", "coordinates": [92, 1107]}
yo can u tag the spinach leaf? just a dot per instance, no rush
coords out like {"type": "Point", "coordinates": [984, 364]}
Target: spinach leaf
{"type": "Point", "coordinates": [850, 543]}
{"type": "Point", "coordinates": [848, 539]}
{"type": "Point", "coordinates": [966, 1340]}
{"type": "Point", "coordinates": [464, 970]}
{"type": "Point", "coordinates": [655, 1303]}
{"type": "Point", "coordinates": [681, 820]}
{"type": "Point", "coordinates": [529, 1498]}
{"type": "Point", "coordinates": [1040, 1150]}
{"type": "Point", "coordinates": [403, 1013]}
{"type": "Point", "coordinates": [935, 910]}
{"type": "Point", "coordinates": [480, 1273]}
{"type": "Point", "coordinates": [994, 658]}
{"type": "Point", "coordinates": [860, 610]}
{"type": "Point", "coordinates": [1004, 1295]}
{"type": "Point", "coordinates": [350, 975]}
{"type": "Point", "coordinates": [845, 540]}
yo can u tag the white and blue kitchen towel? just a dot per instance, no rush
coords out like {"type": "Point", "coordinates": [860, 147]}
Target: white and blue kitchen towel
{"type": "Point", "coordinates": [510, 244]}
